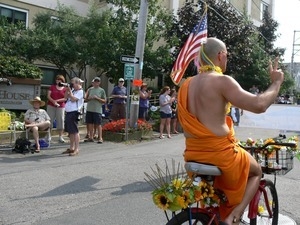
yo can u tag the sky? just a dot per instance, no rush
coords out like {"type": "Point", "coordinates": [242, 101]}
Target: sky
{"type": "Point", "coordinates": [287, 14]}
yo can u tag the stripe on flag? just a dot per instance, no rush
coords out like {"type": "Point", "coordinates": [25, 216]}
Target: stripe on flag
{"type": "Point", "coordinates": [190, 49]}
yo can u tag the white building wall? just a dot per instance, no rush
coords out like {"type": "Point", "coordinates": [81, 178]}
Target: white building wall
{"type": "Point", "coordinates": [80, 6]}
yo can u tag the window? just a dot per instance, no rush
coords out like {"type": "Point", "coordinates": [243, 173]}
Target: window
{"type": "Point", "coordinates": [49, 75]}
{"type": "Point", "coordinates": [264, 8]}
{"type": "Point", "coordinates": [13, 15]}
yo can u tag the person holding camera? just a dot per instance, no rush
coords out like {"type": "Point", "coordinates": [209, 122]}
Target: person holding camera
{"type": "Point", "coordinates": [95, 98]}
{"type": "Point", "coordinates": [75, 100]}
{"type": "Point", "coordinates": [145, 95]}
{"type": "Point", "coordinates": [56, 105]}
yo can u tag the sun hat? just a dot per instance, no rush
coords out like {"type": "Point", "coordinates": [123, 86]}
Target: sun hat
{"type": "Point", "coordinates": [37, 99]}
{"type": "Point", "coordinates": [121, 79]}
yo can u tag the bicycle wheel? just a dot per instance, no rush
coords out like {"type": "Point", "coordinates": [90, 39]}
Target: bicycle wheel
{"type": "Point", "coordinates": [263, 216]}
{"type": "Point", "coordinates": [198, 218]}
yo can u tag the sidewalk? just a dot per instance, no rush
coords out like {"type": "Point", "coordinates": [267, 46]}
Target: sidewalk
{"type": "Point", "coordinates": [241, 133]}
{"type": "Point", "coordinates": [6, 146]}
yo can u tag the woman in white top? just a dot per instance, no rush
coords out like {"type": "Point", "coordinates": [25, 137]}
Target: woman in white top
{"type": "Point", "coordinates": [165, 102]}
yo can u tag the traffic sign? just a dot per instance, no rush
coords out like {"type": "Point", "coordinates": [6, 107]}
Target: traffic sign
{"type": "Point", "coordinates": [129, 71]}
{"type": "Point", "coordinates": [129, 59]}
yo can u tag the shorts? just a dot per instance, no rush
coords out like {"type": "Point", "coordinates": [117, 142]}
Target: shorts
{"type": "Point", "coordinates": [71, 122]}
{"type": "Point", "coordinates": [93, 118]}
{"type": "Point", "coordinates": [165, 115]}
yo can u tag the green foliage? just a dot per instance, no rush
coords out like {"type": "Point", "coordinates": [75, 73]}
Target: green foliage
{"type": "Point", "coordinates": [14, 67]}
{"type": "Point", "coordinates": [250, 49]}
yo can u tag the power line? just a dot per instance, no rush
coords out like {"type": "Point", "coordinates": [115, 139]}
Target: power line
{"type": "Point", "coordinates": [236, 25]}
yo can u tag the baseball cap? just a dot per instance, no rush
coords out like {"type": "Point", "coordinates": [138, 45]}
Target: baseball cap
{"type": "Point", "coordinates": [96, 79]}
{"type": "Point", "coordinates": [121, 79]}
{"type": "Point", "coordinates": [77, 80]}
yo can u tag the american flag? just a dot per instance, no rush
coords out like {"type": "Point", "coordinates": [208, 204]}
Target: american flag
{"type": "Point", "coordinates": [190, 49]}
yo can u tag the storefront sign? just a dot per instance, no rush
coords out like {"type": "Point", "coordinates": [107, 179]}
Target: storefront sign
{"type": "Point", "coordinates": [17, 95]}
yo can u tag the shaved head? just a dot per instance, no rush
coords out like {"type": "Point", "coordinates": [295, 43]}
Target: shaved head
{"type": "Point", "coordinates": [212, 48]}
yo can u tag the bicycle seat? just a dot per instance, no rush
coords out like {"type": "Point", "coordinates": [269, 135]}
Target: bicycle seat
{"type": "Point", "coordinates": [202, 169]}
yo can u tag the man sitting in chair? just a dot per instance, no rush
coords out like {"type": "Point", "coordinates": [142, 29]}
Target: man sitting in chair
{"type": "Point", "coordinates": [36, 120]}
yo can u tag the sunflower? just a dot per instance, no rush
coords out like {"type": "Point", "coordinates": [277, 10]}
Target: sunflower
{"type": "Point", "coordinates": [161, 201]}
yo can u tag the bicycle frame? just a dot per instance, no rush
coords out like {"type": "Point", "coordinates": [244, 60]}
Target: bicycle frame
{"type": "Point", "coordinates": [252, 211]}
{"type": "Point", "coordinates": [212, 212]}
{"type": "Point", "coordinates": [253, 205]}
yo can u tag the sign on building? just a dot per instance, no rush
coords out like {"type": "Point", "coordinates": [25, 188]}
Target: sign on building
{"type": "Point", "coordinates": [17, 95]}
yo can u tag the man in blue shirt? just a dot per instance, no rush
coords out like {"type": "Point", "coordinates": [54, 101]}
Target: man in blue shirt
{"type": "Point", "coordinates": [119, 94]}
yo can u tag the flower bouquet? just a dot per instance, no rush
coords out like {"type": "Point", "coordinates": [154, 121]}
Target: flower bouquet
{"type": "Point", "coordinates": [177, 192]}
{"type": "Point", "coordinates": [274, 158]}
{"type": "Point", "coordinates": [271, 148]}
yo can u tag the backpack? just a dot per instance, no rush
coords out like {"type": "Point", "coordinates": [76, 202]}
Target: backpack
{"type": "Point", "coordinates": [22, 145]}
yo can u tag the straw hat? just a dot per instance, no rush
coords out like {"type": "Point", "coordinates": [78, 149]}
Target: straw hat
{"type": "Point", "coordinates": [37, 99]}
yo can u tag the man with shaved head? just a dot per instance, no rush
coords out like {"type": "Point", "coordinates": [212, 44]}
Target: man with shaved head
{"type": "Point", "coordinates": [203, 103]}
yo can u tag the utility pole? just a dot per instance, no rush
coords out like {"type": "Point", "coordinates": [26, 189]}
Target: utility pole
{"type": "Point", "coordinates": [294, 52]}
{"type": "Point", "coordinates": [139, 52]}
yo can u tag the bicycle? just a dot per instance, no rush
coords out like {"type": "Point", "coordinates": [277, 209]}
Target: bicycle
{"type": "Point", "coordinates": [263, 208]}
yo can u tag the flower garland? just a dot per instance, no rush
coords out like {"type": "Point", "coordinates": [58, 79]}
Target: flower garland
{"type": "Point", "coordinates": [207, 68]}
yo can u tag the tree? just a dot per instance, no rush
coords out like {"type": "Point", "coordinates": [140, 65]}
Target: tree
{"type": "Point", "coordinates": [249, 48]}
{"type": "Point", "coordinates": [55, 39]}
{"type": "Point", "coordinates": [220, 16]}
{"type": "Point", "coordinates": [72, 42]}
{"type": "Point", "coordinates": [11, 64]}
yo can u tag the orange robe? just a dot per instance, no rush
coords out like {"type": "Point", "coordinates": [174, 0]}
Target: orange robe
{"type": "Point", "coordinates": [222, 151]}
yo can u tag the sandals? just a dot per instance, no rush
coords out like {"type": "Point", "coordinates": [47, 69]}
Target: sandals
{"type": "Point", "coordinates": [100, 141]}
{"type": "Point", "coordinates": [37, 150]}
{"type": "Point", "coordinates": [67, 151]}
{"type": "Point", "coordinates": [74, 153]}
{"type": "Point", "coordinates": [161, 137]}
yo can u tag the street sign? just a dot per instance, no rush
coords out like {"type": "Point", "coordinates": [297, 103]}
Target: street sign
{"type": "Point", "coordinates": [129, 59]}
{"type": "Point", "coordinates": [129, 71]}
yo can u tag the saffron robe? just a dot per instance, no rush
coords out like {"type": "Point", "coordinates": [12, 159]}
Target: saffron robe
{"type": "Point", "coordinates": [222, 151]}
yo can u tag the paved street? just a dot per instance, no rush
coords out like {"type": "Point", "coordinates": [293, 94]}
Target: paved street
{"type": "Point", "coordinates": [105, 184]}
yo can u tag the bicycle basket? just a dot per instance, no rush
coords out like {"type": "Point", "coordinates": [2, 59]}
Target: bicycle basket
{"type": "Point", "coordinates": [279, 162]}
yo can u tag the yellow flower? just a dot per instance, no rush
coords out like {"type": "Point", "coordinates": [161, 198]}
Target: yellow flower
{"type": "Point", "coordinates": [187, 199]}
{"type": "Point", "coordinates": [181, 202]}
{"type": "Point", "coordinates": [177, 183]}
{"type": "Point", "coordinates": [261, 209]}
{"type": "Point", "coordinates": [198, 195]}
{"type": "Point", "coordinates": [161, 201]}
{"type": "Point", "coordinates": [206, 68]}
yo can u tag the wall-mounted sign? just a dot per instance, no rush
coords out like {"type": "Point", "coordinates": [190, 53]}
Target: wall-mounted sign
{"type": "Point", "coordinates": [17, 95]}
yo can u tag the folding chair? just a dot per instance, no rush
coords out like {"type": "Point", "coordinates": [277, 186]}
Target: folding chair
{"type": "Point", "coordinates": [42, 134]}
{"type": "Point", "coordinates": [7, 127]}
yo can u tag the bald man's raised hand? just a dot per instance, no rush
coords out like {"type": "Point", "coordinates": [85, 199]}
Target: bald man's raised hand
{"type": "Point", "coordinates": [276, 75]}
